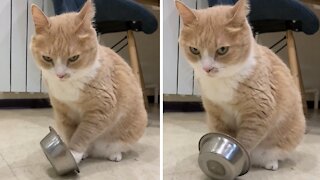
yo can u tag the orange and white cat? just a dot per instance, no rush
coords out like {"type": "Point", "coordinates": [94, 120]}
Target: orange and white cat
{"type": "Point", "coordinates": [96, 98]}
{"type": "Point", "coordinates": [247, 91]}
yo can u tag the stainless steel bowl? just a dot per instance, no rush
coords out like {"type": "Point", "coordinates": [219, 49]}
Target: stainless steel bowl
{"type": "Point", "coordinates": [58, 154]}
{"type": "Point", "coordinates": [222, 157]}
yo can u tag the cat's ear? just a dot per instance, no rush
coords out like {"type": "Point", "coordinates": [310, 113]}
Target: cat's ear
{"type": "Point", "coordinates": [86, 16]}
{"type": "Point", "coordinates": [239, 14]}
{"type": "Point", "coordinates": [187, 15]}
{"type": "Point", "coordinates": [40, 20]}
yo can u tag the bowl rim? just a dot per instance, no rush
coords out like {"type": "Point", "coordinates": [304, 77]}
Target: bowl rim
{"type": "Point", "coordinates": [235, 141]}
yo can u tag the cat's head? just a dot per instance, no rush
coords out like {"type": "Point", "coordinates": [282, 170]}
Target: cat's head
{"type": "Point", "coordinates": [217, 40]}
{"type": "Point", "coordinates": [64, 46]}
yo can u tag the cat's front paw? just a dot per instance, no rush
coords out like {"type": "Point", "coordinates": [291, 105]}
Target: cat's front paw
{"type": "Point", "coordinates": [273, 165]}
{"type": "Point", "coordinates": [115, 157]}
{"type": "Point", "coordinates": [77, 156]}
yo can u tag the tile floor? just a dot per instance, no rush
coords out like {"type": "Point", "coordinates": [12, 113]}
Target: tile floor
{"type": "Point", "coordinates": [183, 130]}
{"type": "Point", "coordinates": [21, 157]}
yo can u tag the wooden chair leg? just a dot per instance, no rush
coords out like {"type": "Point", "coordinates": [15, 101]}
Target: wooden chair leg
{"type": "Point", "coordinates": [135, 64]}
{"type": "Point", "coordinates": [295, 67]}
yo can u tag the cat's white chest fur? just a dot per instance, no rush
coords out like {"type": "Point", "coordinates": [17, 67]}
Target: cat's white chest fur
{"type": "Point", "coordinates": [218, 90]}
{"type": "Point", "coordinates": [222, 92]}
{"type": "Point", "coordinates": [65, 91]}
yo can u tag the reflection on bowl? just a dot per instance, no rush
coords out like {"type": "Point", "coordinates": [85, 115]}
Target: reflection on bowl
{"type": "Point", "coordinates": [58, 154]}
{"type": "Point", "coordinates": [222, 157]}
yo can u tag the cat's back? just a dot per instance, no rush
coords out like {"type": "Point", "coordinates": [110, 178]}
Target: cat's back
{"type": "Point", "coordinates": [270, 60]}
{"type": "Point", "coordinates": [279, 76]}
{"type": "Point", "coordinates": [119, 70]}
{"type": "Point", "coordinates": [109, 57]}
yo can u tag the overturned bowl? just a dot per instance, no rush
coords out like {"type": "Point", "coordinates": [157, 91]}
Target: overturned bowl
{"type": "Point", "coordinates": [58, 154]}
{"type": "Point", "coordinates": [222, 157]}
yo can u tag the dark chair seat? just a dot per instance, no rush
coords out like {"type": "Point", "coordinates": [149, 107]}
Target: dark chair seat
{"type": "Point", "coordinates": [278, 15]}
{"type": "Point", "coordinates": [114, 15]}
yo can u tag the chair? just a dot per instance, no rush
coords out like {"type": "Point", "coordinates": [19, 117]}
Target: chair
{"type": "Point", "coordinates": [117, 16]}
{"type": "Point", "coordinates": [281, 15]}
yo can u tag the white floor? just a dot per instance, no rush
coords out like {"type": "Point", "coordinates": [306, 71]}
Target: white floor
{"type": "Point", "coordinates": [21, 157]}
{"type": "Point", "coordinates": [182, 132]}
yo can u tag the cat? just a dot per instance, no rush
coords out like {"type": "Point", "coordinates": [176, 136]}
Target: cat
{"type": "Point", "coordinates": [246, 90]}
{"type": "Point", "coordinates": [96, 99]}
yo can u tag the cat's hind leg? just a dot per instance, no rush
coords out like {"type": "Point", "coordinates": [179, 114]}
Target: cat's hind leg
{"type": "Point", "coordinates": [267, 158]}
{"type": "Point", "coordinates": [110, 150]}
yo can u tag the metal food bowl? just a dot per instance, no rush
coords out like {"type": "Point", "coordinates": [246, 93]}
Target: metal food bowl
{"type": "Point", "coordinates": [222, 157]}
{"type": "Point", "coordinates": [58, 154]}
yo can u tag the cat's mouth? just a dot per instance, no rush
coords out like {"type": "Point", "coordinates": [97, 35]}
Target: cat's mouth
{"type": "Point", "coordinates": [64, 78]}
{"type": "Point", "coordinates": [212, 71]}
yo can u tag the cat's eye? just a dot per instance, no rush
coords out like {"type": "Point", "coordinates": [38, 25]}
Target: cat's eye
{"type": "Point", "coordinates": [223, 50]}
{"type": "Point", "coordinates": [73, 58]}
{"type": "Point", "coordinates": [47, 59]}
{"type": "Point", "coordinates": [194, 51]}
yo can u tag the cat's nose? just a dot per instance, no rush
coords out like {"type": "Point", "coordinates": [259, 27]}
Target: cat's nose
{"type": "Point", "coordinates": [207, 69]}
{"type": "Point", "coordinates": [61, 75]}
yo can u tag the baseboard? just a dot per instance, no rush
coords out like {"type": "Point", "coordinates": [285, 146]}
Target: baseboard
{"type": "Point", "coordinates": [151, 99]}
{"type": "Point", "coordinates": [36, 103]}
{"type": "Point", "coordinates": [197, 106]}
{"type": "Point", "coordinates": [182, 106]}
{"type": "Point", "coordinates": [167, 106]}
{"type": "Point", "coordinates": [310, 104]}
{"type": "Point", "coordinates": [24, 103]}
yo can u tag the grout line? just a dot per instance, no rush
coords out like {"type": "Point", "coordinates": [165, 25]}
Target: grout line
{"type": "Point", "coordinates": [178, 56]}
{"type": "Point", "coordinates": [43, 5]}
{"type": "Point", "coordinates": [11, 46]}
{"type": "Point", "coordinates": [30, 50]}
{"type": "Point", "coordinates": [27, 41]}
{"type": "Point", "coordinates": [12, 172]}
{"type": "Point", "coordinates": [193, 83]}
